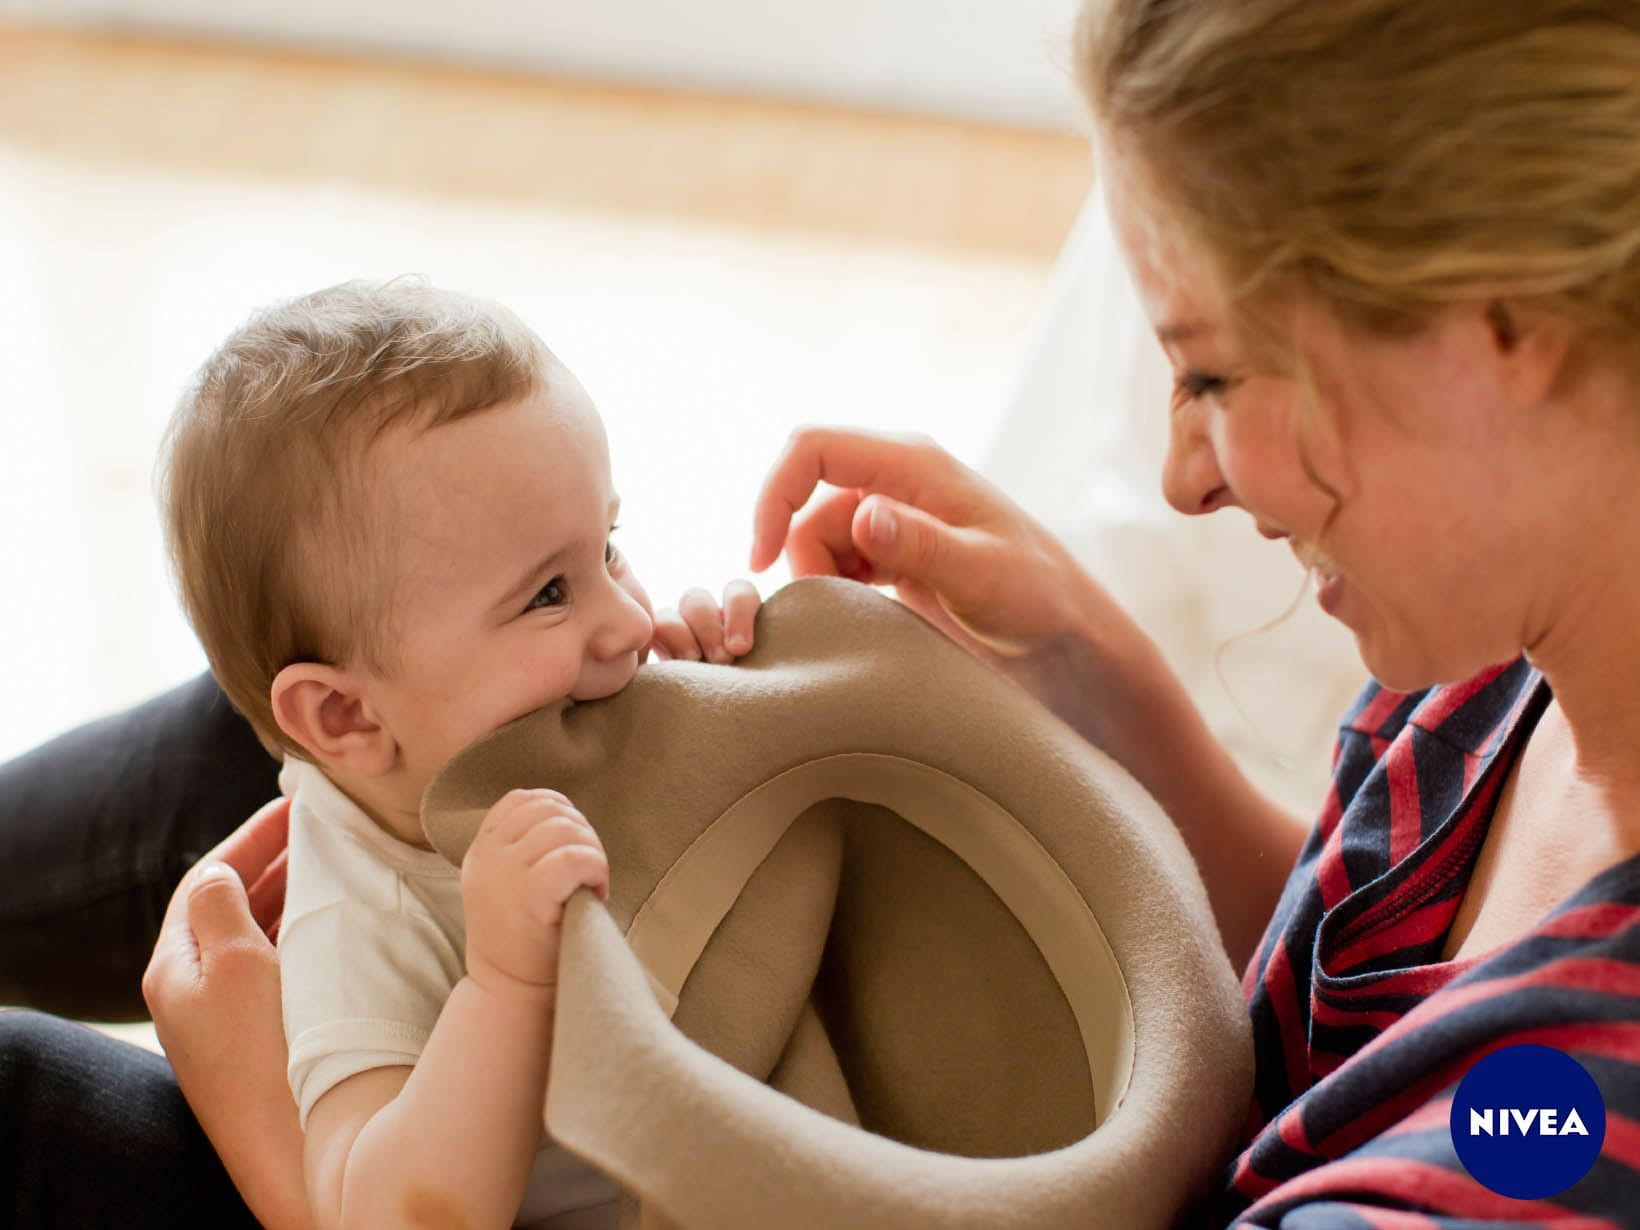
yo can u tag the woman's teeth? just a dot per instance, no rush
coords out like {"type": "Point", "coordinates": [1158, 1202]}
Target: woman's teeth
{"type": "Point", "coordinates": [1314, 561]}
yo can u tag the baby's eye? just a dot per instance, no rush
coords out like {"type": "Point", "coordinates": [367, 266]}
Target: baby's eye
{"type": "Point", "coordinates": [611, 551]}
{"type": "Point", "coordinates": [553, 593]}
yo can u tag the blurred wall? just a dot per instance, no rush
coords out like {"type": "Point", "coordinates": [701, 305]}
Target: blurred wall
{"type": "Point", "coordinates": [1001, 61]}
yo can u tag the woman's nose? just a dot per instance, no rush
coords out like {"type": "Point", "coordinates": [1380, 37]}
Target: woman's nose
{"type": "Point", "coordinates": [1191, 480]}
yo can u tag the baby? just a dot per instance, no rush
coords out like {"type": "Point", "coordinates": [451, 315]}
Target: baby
{"type": "Point", "coordinates": [390, 513]}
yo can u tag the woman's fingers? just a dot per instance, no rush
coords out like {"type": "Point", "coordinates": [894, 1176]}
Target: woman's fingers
{"type": "Point", "coordinates": [248, 854]}
{"type": "Point", "coordinates": [174, 964]}
{"type": "Point", "coordinates": [901, 540]}
{"type": "Point", "coordinates": [910, 469]}
{"type": "Point", "coordinates": [257, 850]}
{"type": "Point", "coordinates": [253, 846]}
{"type": "Point", "coordinates": [904, 512]}
{"type": "Point", "coordinates": [219, 911]}
{"type": "Point", "coordinates": [177, 965]}
{"type": "Point", "coordinates": [955, 578]}
{"type": "Point", "coordinates": [820, 539]}
{"type": "Point", "coordinates": [267, 895]}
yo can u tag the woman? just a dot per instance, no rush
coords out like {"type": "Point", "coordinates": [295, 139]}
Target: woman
{"type": "Point", "coordinates": [1393, 252]}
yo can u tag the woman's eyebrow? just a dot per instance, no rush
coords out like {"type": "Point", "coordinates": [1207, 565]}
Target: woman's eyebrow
{"type": "Point", "coordinates": [1181, 330]}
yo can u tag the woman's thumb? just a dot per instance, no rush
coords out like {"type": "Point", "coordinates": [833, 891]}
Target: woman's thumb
{"type": "Point", "coordinates": [904, 541]}
{"type": "Point", "coordinates": [218, 909]}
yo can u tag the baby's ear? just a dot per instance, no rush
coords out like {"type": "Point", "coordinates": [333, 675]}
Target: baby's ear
{"type": "Point", "coordinates": [325, 710]}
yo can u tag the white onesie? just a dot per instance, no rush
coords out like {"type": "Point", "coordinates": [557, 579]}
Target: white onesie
{"type": "Point", "coordinates": [371, 945]}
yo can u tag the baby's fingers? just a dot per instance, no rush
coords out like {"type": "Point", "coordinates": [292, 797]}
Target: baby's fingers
{"type": "Point", "coordinates": [555, 876]}
{"type": "Point", "coordinates": [740, 604]}
{"type": "Point", "coordinates": [551, 834]}
{"type": "Point", "coordinates": [673, 639]}
{"type": "Point", "coordinates": [517, 810]}
{"type": "Point", "coordinates": [704, 617]}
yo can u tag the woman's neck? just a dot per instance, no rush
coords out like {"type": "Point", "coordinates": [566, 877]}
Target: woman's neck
{"type": "Point", "coordinates": [1584, 631]}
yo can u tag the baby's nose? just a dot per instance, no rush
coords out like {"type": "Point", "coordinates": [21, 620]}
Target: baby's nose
{"type": "Point", "coordinates": [625, 629]}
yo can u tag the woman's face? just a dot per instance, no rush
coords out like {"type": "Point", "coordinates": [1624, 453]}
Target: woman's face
{"type": "Point", "coordinates": [1389, 479]}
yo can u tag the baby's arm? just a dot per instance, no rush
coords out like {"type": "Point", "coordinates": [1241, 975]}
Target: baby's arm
{"type": "Point", "coordinates": [701, 629]}
{"type": "Point", "coordinates": [450, 1142]}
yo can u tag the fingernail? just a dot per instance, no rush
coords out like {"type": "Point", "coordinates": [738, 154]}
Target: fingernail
{"type": "Point", "coordinates": [215, 871]}
{"type": "Point", "coordinates": [881, 523]}
{"type": "Point", "coordinates": [740, 644]}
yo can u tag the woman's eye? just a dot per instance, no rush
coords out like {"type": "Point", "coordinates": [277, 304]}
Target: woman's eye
{"type": "Point", "coordinates": [611, 551]}
{"type": "Point", "coordinates": [1191, 386]}
{"type": "Point", "coordinates": [553, 593]}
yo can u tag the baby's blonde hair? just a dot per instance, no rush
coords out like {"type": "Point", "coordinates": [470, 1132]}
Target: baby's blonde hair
{"type": "Point", "coordinates": [280, 555]}
{"type": "Point", "coordinates": [1389, 156]}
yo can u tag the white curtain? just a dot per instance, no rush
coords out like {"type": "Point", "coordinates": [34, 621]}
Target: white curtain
{"type": "Point", "coordinates": [1081, 448]}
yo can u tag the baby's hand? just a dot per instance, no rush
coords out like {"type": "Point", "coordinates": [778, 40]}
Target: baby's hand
{"type": "Point", "coordinates": [531, 853]}
{"type": "Point", "coordinates": [700, 628]}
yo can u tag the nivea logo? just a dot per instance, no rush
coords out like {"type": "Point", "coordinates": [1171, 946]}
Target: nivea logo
{"type": "Point", "coordinates": [1539, 1119]}
{"type": "Point", "coordinates": [1528, 1121]}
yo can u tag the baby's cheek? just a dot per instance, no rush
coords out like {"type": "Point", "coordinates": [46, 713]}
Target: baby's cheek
{"type": "Point", "coordinates": [509, 690]}
{"type": "Point", "coordinates": [552, 679]}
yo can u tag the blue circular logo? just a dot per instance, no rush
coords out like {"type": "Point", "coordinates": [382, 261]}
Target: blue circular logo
{"type": "Point", "coordinates": [1528, 1121]}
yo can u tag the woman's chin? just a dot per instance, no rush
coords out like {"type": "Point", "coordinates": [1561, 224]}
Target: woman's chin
{"type": "Point", "coordinates": [1404, 668]}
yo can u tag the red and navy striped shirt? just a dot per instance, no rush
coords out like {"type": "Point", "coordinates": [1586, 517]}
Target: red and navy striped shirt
{"type": "Point", "coordinates": [1362, 1031]}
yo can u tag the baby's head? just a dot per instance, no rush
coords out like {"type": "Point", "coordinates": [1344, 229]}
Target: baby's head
{"type": "Point", "coordinates": [389, 509]}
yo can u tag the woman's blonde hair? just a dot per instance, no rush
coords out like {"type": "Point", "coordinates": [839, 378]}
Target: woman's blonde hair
{"type": "Point", "coordinates": [280, 554]}
{"type": "Point", "coordinates": [1389, 156]}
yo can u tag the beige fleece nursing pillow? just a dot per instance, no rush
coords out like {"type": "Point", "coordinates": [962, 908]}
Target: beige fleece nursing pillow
{"type": "Point", "coordinates": [887, 945]}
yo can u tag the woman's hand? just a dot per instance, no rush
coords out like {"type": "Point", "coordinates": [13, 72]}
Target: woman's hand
{"type": "Point", "coordinates": [699, 628]}
{"type": "Point", "coordinates": [969, 560]}
{"type": "Point", "coordinates": [212, 987]}
{"type": "Point", "coordinates": [958, 552]}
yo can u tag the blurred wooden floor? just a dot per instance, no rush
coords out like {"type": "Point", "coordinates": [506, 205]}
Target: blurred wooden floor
{"type": "Point", "coordinates": [503, 137]}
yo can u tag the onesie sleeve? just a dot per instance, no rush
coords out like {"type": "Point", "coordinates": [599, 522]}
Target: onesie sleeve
{"type": "Point", "coordinates": [363, 988]}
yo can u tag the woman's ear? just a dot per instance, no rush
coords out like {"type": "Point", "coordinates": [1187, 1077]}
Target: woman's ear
{"type": "Point", "coordinates": [328, 712]}
{"type": "Point", "coordinates": [1532, 346]}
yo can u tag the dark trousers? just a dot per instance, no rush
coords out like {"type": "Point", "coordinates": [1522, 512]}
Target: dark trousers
{"type": "Point", "coordinates": [96, 828]}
